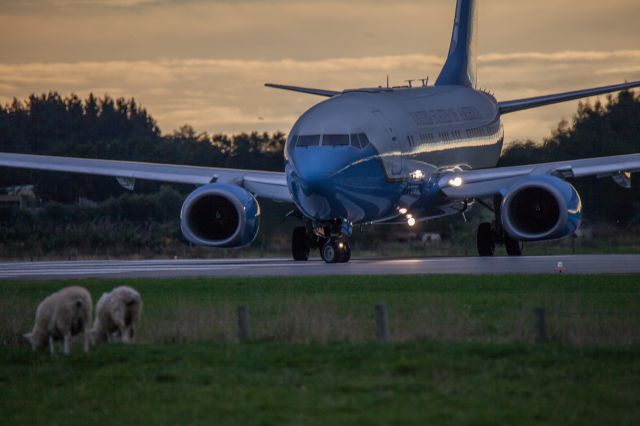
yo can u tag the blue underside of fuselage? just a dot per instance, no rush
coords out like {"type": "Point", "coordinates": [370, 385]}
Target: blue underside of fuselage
{"type": "Point", "coordinates": [341, 182]}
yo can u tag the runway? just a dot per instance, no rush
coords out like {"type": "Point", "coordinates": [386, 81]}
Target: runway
{"type": "Point", "coordinates": [592, 264]}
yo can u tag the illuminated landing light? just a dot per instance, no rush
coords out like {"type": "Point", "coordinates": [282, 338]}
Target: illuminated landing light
{"type": "Point", "coordinates": [418, 174]}
{"type": "Point", "coordinates": [457, 182]}
{"type": "Point", "coordinates": [411, 221]}
{"type": "Point", "coordinates": [341, 245]}
{"type": "Point", "coordinates": [403, 211]}
{"type": "Point", "coordinates": [409, 216]}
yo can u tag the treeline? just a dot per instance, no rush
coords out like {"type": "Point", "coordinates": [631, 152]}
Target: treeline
{"type": "Point", "coordinates": [596, 130]}
{"type": "Point", "coordinates": [117, 129]}
{"type": "Point", "coordinates": [131, 223]}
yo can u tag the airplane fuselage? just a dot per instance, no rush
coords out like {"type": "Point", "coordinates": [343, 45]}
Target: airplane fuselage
{"type": "Point", "coordinates": [334, 172]}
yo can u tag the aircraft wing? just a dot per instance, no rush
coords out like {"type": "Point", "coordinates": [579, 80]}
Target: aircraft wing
{"type": "Point", "coordinates": [528, 103]}
{"type": "Point", "coordinates": [270, 185]}
{"type": "Point", "coordinates": [487, 182]}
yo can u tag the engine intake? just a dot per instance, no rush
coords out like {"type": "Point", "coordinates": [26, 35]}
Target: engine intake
{"type": "Point", "coordinates": [541, 208]}
{"type": "Point", "coordinates": [220, 215]}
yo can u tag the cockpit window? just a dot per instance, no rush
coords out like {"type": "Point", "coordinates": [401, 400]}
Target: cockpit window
{"type": "Point", "coordinates": [308, 140]}
{"type": "Point", "coordinates": [335, 140]}
{"type": "Point", "coordinates": [359, 140]}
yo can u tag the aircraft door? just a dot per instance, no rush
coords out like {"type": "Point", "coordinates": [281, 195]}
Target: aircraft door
{"type": "Point", "coordinates": [391, 150]}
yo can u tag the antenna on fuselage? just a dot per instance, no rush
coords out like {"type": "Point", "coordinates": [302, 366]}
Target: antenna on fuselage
{"type": "Point", "coordinates": [387, 81]}
{"type": "Point", "coordinates": [425, 81]}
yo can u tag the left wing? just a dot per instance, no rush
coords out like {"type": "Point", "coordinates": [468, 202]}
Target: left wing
{"type": "Point", "coordinates": [271, 185]}
{"type": "Point", "coordinates": [486, 182]}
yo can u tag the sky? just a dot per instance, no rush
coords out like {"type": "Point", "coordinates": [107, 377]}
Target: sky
{"type": "Point", "coordinates": [204, 63]}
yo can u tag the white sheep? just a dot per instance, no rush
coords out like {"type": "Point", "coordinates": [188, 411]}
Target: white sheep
{"type": "Point", "coordinates": [117, 316]}
{"type": "Point", "coordinates": [60, 316]}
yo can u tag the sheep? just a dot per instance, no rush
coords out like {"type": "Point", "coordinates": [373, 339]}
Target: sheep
{"type": "Point", "coordinates": [117, 316]}
{"type": "Point", "coordinates": [60, 316]}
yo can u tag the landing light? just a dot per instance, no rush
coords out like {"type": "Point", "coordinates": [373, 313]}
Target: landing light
{"type": "Point", "coordinates": [411, 221]}
{"type": "Point", "coordinates": [403, 211]}
{"type": "Point", "coordinates": [418, 174]}
{"type": "Point", "coordinates": [455, 182]}
{"type": "Point", "coordinates": [341, 245]}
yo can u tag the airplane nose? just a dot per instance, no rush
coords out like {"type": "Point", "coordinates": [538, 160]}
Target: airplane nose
{"type": "Point", "coordinates": [318, 167]}
{"type": "Point", "coordinates": [316, 180]}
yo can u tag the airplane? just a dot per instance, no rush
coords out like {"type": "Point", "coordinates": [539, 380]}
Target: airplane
{"type": "Point", "coordinates": [384, 155]}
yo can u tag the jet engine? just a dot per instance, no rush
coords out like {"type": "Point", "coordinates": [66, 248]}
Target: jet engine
{"type": "Point", "coordinates": [220, 215]}
{"type": "Point", "coordinates": [541, 208]}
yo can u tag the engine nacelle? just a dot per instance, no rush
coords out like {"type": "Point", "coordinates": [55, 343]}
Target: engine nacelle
{"type": "Point", "coordinates": [541, 208]}
{"type": "Point", "coordinates": [220, 215]}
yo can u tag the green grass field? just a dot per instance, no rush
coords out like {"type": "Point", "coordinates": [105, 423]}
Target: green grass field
{"type": "Point", "coordinates": [462, 351]}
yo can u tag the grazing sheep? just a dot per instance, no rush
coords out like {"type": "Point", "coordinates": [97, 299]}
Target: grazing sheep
{"type": "Point", "coordinates": [60, 316]}
{"type": "Point", "coordinates": [117, 316]}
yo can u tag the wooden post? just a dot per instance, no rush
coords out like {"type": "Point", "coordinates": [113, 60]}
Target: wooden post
{"type": "Point", "coordinates": [244, 330]}
{"type": "Point", "coordinates": [540, 325]}
{"type": "Point", "coordinates": [382, 323]}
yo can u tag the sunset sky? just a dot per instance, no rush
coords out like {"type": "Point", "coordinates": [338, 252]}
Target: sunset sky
{"type": "Point", "coordinates": [204, 62]}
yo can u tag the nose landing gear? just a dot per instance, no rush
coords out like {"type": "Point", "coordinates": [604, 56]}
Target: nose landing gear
{"type": "Point", "coordinates": [335, 250]}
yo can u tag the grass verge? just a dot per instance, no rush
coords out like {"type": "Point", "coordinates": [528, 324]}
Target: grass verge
{"type": "Point", "coordinates": [461, 352]}
{"type": "Point", "coordinates": [412, 383]}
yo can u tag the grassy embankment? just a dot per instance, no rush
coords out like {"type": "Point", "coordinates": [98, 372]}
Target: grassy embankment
{"type": "Point", "coordinates": [462, 351]}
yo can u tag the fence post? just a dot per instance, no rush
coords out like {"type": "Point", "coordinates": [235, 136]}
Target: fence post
{"type": "Point", "coordinates": [540, 325]}
{"type": "Point", "coordinates": [382, 323]}
{"type": "Point", "coordinates": [244, 330]}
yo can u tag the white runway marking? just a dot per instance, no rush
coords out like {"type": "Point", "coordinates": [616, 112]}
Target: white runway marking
{"type": "Point", "coordinates": [284, 267]}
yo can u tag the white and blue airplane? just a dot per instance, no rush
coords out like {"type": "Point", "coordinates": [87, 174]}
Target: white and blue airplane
{"type": "Point", "coordinates": [384, 155]}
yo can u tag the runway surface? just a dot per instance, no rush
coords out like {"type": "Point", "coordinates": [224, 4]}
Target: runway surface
{"type": "Point", "coordinates": [593, 264]}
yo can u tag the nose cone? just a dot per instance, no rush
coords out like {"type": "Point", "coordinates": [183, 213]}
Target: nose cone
{"type": "Point", "coordinates": [314, 176]}
{"type": "Point", "coordinates": [316, 167]}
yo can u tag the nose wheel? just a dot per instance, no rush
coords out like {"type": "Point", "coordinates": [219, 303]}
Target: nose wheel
{"type": "Point", "coordinates": [335, 250]}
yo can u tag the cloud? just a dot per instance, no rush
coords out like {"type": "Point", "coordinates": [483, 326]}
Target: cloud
{"type": "Point", "coordinates": [33, 4]}
{"type": "Point", "coordinates": [228, 95]}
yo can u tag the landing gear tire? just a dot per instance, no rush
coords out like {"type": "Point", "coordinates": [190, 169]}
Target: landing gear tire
{"type": "Point", "coordinates": [485, 241]}
{"type": "Point", "coordinates": [299, 244]}
{"type": "Point", "coordinates": [514, 247]}
{"type": "Point", "coordinates": [335, 251]}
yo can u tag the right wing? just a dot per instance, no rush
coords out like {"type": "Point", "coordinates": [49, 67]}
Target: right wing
{"type": "Point", "coordinates": [481, 183]}
{"type": "Point", "coordinates": [522, 104]}
{"type": "Point", "coordinates": [271, 185]}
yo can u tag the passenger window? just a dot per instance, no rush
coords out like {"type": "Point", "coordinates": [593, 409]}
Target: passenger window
{"type": "Point", "coordinates": [335, 140]}
{"type": "Point", "coordinates": [309, 140]}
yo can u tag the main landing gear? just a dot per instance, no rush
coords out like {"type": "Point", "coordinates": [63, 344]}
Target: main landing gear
{"type": "Point", "coordinates": [334, 249]}
{"type": "Point", "coordinates": [300, 244]}
{"type": "Point", "coordinates": [490, 234]}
